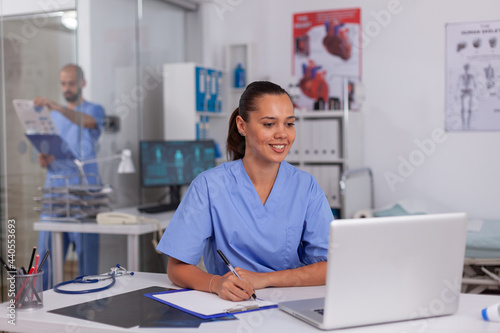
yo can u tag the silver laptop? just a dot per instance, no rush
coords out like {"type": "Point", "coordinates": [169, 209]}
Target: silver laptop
{"type": "Point", "coordinates": [388, 269]}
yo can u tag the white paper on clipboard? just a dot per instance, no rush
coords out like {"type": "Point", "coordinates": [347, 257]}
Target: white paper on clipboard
{"type": "Point", "coordinates": [36, 120]}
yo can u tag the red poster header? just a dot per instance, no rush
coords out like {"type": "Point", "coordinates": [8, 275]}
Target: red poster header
{"type": "Point", "coordinates": [304, 21]}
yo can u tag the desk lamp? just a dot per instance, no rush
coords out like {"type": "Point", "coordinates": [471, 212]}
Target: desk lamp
{"type": "Point", "coordinates": [126, 164]}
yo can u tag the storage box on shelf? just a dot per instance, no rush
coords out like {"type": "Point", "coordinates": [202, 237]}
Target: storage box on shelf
{"type": "Point", "coordinates": [193, 101]}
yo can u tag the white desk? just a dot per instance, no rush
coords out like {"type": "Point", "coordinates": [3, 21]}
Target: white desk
{"type": "Point", "coordinates": [467, 319]}
{"type": "Point", "coordinates": [133, 231]}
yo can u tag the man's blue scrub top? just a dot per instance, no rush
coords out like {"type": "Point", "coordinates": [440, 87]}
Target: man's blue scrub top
{"type": "Point", "coordinates": [222, 210]}
{"type": "Point", "coordinates": [81, 141]}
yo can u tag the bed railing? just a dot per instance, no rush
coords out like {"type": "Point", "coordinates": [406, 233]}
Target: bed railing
{"type": "Point", "coordinates": [346, 175]}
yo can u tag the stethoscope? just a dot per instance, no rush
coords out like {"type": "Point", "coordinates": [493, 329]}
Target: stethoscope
{"type": "Point", "coordinates": [113, 274]}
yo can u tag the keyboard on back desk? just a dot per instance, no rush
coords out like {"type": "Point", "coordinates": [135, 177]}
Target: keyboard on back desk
{"type": "Point", "coordinates": [159, 208]}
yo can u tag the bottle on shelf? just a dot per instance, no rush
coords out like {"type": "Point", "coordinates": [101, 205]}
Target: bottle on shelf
{"type": "Point", "coordinates": [239, 76]}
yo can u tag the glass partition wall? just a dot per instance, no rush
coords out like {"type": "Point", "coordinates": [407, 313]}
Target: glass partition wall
{"type": "Point", "coordinates": [34, 48]}
{"type": "Point", "coordinates": [121, 45]}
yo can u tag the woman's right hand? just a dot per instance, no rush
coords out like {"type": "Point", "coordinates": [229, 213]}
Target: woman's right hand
{"type": "Point", "coordinates": [231, 288]}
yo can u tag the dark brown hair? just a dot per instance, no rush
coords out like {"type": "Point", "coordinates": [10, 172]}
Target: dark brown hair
{"type": "Point", "coordinates": [235, 145]}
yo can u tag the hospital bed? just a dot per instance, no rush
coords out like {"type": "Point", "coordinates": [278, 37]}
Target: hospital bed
{"type": "Point", "coordinates": [482, 253]}
{"type": "Point", "coordinates": [482, 257]}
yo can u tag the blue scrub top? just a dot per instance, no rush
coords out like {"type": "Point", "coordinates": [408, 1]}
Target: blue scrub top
{"type": "Point", "coordinates": [81, 141]}
{"type": "Point", "coordinates": [222, 210]}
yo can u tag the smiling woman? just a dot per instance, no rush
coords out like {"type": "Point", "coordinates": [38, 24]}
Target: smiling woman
{"type": "Point", "coordinates": [265, 121]}
{"type": "Point", "coordinates": [269, 218]}
{"type": "Point", "coordinates": [274, 99]}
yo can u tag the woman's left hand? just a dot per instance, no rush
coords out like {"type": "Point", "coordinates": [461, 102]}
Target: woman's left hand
{"type": "Point", "coordinates": [258, 280]}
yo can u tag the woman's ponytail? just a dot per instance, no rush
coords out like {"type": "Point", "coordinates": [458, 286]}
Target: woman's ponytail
{"type": "Point", "coordinates": [235, 145]}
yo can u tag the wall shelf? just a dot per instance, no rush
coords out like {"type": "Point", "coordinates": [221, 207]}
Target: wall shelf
{"type": "Point", "coordinates": [310, 114]}
{"type": "Point", "coordinates": [326, 145]}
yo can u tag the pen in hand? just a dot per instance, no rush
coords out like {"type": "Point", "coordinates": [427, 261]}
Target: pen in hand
{"type": "Point", "coordinates": [231, 268]}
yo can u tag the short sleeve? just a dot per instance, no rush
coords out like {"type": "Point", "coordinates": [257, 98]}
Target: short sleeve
{"type": "Point", "coordinates": [315, 237]}
{"type": "Point", "coordinates": [97, 112]}
{"type": "Point", "coordinates": [191, 226]}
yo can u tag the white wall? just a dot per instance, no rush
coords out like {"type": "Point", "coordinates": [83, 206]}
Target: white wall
{"type": "Point", "coordinates": [408, 105]}
{"type": "Point", "coordinates": [403, 75]}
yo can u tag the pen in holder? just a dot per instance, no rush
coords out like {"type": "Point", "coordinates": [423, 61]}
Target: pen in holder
{"type": "Point", "coordinates": [29, 291]}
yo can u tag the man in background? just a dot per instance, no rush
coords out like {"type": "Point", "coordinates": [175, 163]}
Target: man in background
{"type": "Point", "coordinates": [79, 125]}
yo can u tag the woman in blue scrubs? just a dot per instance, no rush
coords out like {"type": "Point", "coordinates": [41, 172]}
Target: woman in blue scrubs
{"type": "Point", "coordinates": [270, 219]}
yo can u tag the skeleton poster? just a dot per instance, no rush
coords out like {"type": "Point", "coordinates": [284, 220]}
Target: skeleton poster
{"type": "Point", "coordinates": [473, 76]}
{"type": "Point", "coordinates": [326, 51]}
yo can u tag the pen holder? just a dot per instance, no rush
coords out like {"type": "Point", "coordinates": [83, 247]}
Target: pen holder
{"type": "Point", "coordinates": [29, 291]}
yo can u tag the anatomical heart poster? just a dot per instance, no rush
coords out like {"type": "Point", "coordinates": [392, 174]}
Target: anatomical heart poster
{"type": "Point", "coordinates": [326, 51]}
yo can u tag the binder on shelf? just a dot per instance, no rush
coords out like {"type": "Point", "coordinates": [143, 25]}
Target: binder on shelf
{"type": "Point", "coordinates": [208, 90]}
{"type": "Point", "coordinates": [314, 170]}
{"type": "Point", "coordinates": [330, 149]}
{"type": "Point", "coordinates": [205, 305]}
{"type": "Point", "coordinates": [317, 140]}
{"type": "Point", "coordinates": [308, 140]}
{"type": "Point", "coordinates": [331, 177]}
{"type": "Point", "coordinates": [201, 89]}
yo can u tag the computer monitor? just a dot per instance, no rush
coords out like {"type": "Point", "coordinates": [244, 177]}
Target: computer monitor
{"type": "Point", "coordinates": [174, 163]}
{"type": "Point", "coordinates": [167, 163]}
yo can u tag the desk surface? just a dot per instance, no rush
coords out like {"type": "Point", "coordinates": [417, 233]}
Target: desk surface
{"type": "Point", "coordinates": [467, 319]}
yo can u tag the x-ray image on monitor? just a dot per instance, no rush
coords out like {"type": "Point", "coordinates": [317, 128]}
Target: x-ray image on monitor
{"type": "Point", "coordinates": [167, 163]}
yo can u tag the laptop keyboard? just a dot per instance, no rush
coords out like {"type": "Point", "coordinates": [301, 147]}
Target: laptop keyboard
{"type": "Point", "coordinates": [320, 311]}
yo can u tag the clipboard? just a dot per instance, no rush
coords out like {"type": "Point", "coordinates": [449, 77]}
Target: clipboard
{"type": "Point", "coordinates": [40, 130]}
{"type": "Point", "coordinates": [205, 305]}
{"type": "Point", "coordinates": [51, 144]}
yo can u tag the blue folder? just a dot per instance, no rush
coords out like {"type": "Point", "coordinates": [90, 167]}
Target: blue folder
{"type": "Point", "coordinates": [51, 144]}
